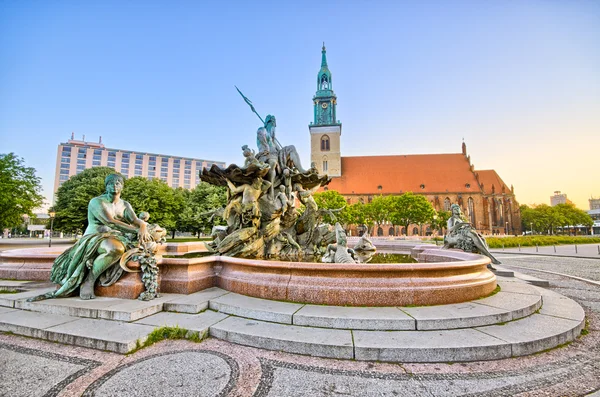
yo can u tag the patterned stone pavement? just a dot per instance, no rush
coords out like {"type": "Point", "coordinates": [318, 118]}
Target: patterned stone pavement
{"type": "Point", "coordinates": [31, 367]}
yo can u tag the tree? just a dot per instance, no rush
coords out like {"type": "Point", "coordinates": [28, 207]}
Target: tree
{"type": "Point", "coordinates": [378, 210]}
{"type": "Point", "coordinates": [202, 199]}
{"type": "Point", "coordinates": [73, 196]}
{"type": "Point", "coordinates": [573, 216]}
{"type": "Point", "coordinates": [19, 191]}
{"type": "Point", "coordinates": [409, 209]}
{"type": "Point", "coordinates": [359, 214]}
{"type": "Point", "coordinates": [441, 221]}
{"type": "Point", "coordinates": [163, 203]}
{"type": "Point", "coordinates": [332, 200]}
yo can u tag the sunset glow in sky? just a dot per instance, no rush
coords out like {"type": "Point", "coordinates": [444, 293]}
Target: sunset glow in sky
{"type": "Point", "coordinates": [518, 80]}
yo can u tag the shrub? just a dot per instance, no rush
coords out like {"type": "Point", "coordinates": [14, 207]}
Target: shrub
{"type": "Point", "coordinates": [532, 241]}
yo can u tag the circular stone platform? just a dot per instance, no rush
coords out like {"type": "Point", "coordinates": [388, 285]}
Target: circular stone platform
{"type": "Point", "coordinates": [508, 324]}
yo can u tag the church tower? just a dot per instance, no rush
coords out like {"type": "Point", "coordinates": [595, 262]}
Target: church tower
{"type": "Point", "coordinates": [325, 130]}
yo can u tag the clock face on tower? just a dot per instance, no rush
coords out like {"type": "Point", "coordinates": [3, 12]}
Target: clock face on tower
{"type": "Point", "coordinates": [324, 105]}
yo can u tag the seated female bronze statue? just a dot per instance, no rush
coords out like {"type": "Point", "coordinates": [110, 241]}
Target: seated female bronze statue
{"type": "Point", "coordinates": [112, 229]}
{"type": "Point", "coordinates": [461, 234]}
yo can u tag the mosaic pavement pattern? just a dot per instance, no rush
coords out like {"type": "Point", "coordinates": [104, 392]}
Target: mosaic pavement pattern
{"type": "Point", "coordinates": [32, 367]}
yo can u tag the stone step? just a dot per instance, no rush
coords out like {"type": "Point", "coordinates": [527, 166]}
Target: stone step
{"type": "Point", "coordinates": [193, 322]}
{"type": "Point", "coordinates": [194, 303]}
{"type": "Point", "coordinates": [559, 322]}
{"type": "Point", "coordinates": [255, 308]}
{"type": "Point", "coordinates": [320, 342]}
{"type": "Point", "coordinates": [101, 307]}
{"type": "Point", "coordinates": [115, 336]}
{"type": "Point", "coordinates": [532, 280]}
{"type": "Point", "coordinates": [518, 301]}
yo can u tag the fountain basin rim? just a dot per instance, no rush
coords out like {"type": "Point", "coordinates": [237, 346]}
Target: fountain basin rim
{"type": "Point", "coordinates": [318, 266]}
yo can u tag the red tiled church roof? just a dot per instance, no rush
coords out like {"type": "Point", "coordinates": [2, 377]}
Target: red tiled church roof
{"type": "Point", "coordinates": [489, 178]}
{"type": "Point", "coordinates": [439, 173]}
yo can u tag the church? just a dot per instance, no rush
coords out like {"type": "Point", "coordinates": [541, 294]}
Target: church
{"type": "Point", "coordinates": [444, 179]}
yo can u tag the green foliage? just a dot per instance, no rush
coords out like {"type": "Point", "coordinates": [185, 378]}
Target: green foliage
{"type": "Point", "coordinates": [333, 200]}
{"type": "Point", "coordinates": [441, 221]}
{"type": "Point", "coordinates": [409, 209]}
{"type": "Point", "coordinates": [198, 202]}
{"type": "Point", "coordinates": [378, 210]}
{"type": "Point", "coordinates": [162, 202]}
{"type": "Point", "coordinates": [73, 196]}
{"type": "Point", "coordinates": [532, 241]}
{"type": "Point", "coordinates": [19, 190]}
{"type": "Point", "coordinates": [359, 214]}
{"type": "Point", "coordinates": [545, 219]}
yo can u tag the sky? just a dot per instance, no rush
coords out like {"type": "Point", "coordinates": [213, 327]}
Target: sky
{"type": "Point", "coordinates": [519, 81]}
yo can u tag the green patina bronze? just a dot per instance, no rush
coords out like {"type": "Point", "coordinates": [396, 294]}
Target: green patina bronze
{"type": "Point", "coordinates": [113, 236]}
{"type": "Point", "coordinates": [461, 234]}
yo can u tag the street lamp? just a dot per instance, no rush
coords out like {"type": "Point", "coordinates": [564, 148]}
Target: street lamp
{"type": "Point", "coordinates": [52, 215]}
{"type": "Point", "coordinates": [531, 224]}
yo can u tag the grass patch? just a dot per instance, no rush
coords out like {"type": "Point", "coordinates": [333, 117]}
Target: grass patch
{"type": "Point", "coordinates": [164, 333]}
{"type": "Point", "coordinates": [585, 330]}
{"type": "Point", "coordinates": [8, 291]}
{"type": "Point", "coordinates": [494, 292]}
{"type": "Point", "coordinates": [532, 241]}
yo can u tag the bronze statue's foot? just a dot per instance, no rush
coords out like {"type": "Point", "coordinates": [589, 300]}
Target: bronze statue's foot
{"type": "Point", "coordinates": [86, 291]}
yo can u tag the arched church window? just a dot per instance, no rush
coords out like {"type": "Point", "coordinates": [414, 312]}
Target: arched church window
{"type": "Point", "coordinates": [325, 143]}
{"type": "Point", "coordinates": [379, 231]}
{"type": "Point", "coordinates": [471, 209]}
{"type": "Point", "coordinates": [415, 231]}
{"type": "Point", "coordinates": [500, 208]}
{"type": "Point", "coordinates": [325, 166]}
{"type": "Point", "coordinates": [391, 232]}
{"type": "Point", "coordinates": [447, 204]}
{"type": "Point", "coordinates": [324, 83]}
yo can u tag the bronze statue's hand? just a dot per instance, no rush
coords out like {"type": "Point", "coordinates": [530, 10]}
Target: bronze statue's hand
{"type": "Point", "coordinates": [143, 235]}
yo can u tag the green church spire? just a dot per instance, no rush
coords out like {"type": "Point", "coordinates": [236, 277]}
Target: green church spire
{"type": "Point", "coordinates": [324, 99]}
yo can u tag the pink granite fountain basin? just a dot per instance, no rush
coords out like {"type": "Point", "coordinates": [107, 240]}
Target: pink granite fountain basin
{"type": "Point", "coordinates": [440, 277]}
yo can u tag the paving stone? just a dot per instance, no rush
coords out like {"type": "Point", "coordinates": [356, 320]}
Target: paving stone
{"type": "Point", "coordinates": [193, 373]}
{"type": "Point", "coordinates": [131, 310]}
{"type": "Point", "coordinates": [503, 272]}
{"type": "Point", "coordinates": [518, 305]}
{"type": "Point", "coordinates": [14, 283]}
{"type": "Point", "coordinates": [518, 287]}
{"type": "Point", "coordinates": [560, 306]}
{"type": "Point", "coordinates": [532, 280]}
{"type": "Point", "coordinates": [428, 346]}
{"type": "Point", "coordinates": [73, 306]}
{"type": "Point", "coordinates": [194, 303]}
{"type": "Point", "coordinates": [30, 373]}
{"type": "Point", "coordinates": [289, 379]}
{"type": "Point", "coordinates": [320, 342]}
{"type": "Point", "coordinates": [6, 309]}
{"type": "Point", "coordinates": [193, 322]}
{"type": "Point", "coordinates": [535, 333]}
{"type": "Point", "coordinates": [115, 336]}
{"type": "Point", "coordinates": [367, 318]}
{"type": "Point", "coordinates": [259, 309]}
{"type": "Point", "coordinates": [458, 315]}
{"type": "Point", "coordinates": [8, 300]}
{"type": "Point", "coordinates": [31, 323]}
